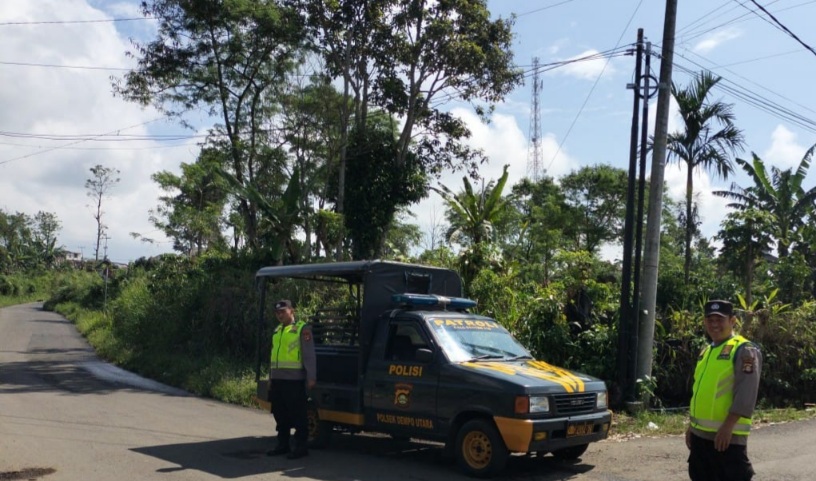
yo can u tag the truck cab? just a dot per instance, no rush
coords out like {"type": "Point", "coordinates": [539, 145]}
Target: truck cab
{"type": "Point", "coordinates": [420, 365]}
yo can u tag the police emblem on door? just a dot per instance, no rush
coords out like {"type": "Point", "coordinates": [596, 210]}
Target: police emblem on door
{"type": "Point", "coordinates": [402, 395]}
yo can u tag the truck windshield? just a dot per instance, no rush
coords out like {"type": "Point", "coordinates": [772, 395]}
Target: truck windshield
{"type": "Point", "coordinates": [476, 339]}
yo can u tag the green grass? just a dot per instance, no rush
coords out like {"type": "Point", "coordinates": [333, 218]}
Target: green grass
{"type": "Point", "coordinates": [6, 301]}
{"type": "Point", "coordinates": [669, 423]}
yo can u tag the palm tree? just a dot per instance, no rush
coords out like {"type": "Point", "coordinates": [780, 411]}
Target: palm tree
{"type": "Point", "coordinates": [781, 194]}
{"type": "Point", "coordinates": [707, 139]}
{"type": "Point", "coordinates": [472, 217]}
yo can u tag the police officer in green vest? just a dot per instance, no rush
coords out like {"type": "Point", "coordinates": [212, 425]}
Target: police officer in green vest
{"type": "Point", "coordinates": [726, 382]}
{"type": "Point", "coordinates": [292, 372]}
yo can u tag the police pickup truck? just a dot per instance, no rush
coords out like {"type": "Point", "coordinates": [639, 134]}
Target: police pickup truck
{"type": "Point", "coordinates": [403, 356]}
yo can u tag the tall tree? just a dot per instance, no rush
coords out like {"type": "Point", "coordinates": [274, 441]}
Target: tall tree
{"type": "Point", "coordinates": [381, 185]}
{"type": "Point", "coordinates": [709, 138]}
{"type": "Point", "coordinates": [409, 58]}
{"type": "Point", "coordinates": [542, 217]}
{"type": "Point", "coordinates": [98, 187]}
{"type": "Point", "coordinates": [46, 225]}
{"type": "Point", "coordinates": [15, 241]}
{"type": "Point", "coordinates": [229, 58]}
{"type": "Point", "coordinates": [746, 238]}
{"type": "Point", "coordinates": [191, 211]}
{"type": "Point", "coordinates": [597, 197]}
{"type": "Point", "coordinates": [311, 127]}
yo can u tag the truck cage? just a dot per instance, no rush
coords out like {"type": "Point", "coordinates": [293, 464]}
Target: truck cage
{"type": "Point", "coordinates": [372, 283]}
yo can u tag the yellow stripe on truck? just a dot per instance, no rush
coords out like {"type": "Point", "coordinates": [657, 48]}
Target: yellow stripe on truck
{"type": "Point", "coordinates": [537, 369]}
{"type": "Point", "coordinates": [341, 417]}
{"type": "Point", "coordinates": [516, 433]}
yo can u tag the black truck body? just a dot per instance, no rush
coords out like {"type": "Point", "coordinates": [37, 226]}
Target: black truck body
{"type": "Point", "coordinates": [409, 360]}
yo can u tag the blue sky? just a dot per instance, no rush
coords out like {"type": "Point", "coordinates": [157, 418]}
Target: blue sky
{"type": "Point", "coordinates": [585, 108]}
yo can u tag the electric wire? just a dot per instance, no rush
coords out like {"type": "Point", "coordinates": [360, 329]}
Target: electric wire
{"type": "Point", "coordinates": [543, 8]}
{"type": "Point", "coordinates": [75, 142]}
{"type": "Point", "coordinates": [751, 98]}
{"type": "Point", "coordinates": [773, 92]}
{"type": "Point", "coordinates": [691, 35]}
{"type": "Point", "coordinates": [67, 22]}
{"type": "Point", "coordinates": [51, 65]}
{"type": "Point", "coordinates": [782, 26]}
{"type": "Point", "coordinates": [592, 89]}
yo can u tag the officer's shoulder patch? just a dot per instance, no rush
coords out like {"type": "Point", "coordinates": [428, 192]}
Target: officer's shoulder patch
{"type": "Point", "coordinates": [748, 359]}
{"type": "Point", "coordinates": [306, 335]}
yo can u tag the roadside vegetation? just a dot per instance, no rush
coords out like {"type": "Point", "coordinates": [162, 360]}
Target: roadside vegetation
{"type": "Point", "coordinates": [298, 170]}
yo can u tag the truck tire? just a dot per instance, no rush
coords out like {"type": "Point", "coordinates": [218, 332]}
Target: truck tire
{"type": "Point", "coordinates": [570, 453]}
{"type": "Point", "coordinates": [319, 431]}
{"type": "Point", "coordinates": [480, 450]}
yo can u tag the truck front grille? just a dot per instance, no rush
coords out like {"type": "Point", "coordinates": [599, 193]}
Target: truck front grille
{"type": "Point", "coordinates": [574, 403]}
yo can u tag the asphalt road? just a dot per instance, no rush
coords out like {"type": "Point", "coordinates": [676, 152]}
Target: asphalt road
{"type": "Point", "coordinates": [64, 415]}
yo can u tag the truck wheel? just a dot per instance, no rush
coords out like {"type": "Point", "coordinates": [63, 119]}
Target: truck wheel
{"type": "Point", "coordinates": [319, 431]}
{"type": "Point", "coordinates": [570, 453]}
{"type": "Point", "coordinates": [480, 450]}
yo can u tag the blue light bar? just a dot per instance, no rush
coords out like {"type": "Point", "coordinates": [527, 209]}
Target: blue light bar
{"type": "Point", "coordinates": [444, 302]}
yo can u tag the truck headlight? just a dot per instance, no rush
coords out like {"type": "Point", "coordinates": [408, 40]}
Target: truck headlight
{"type": "Point", "coordinates": [539, 404]}
{"type": "Point", "coordinates": [601, 401]}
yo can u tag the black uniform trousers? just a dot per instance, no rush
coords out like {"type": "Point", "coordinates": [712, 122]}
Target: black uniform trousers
{"type": "Point", "coordinates": [288, 399]}
{"type": "Point", "coordinates": [708, 464]}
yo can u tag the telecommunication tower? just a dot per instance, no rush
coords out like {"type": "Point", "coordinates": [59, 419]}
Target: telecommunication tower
{"type": "Point", "coordinates": [534, 154]}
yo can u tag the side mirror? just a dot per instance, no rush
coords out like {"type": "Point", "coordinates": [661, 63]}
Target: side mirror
{"type": "Point", "coordinates": [424, 355]}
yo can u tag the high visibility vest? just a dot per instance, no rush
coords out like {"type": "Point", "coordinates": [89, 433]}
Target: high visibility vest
{"type": "Point", "coordinates": [714, 388]}
{"type": "Point", "coordinates": [286, 347]}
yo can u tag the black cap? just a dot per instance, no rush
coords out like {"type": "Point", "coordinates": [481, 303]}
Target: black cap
{"type": "Point", "coordinates": [720, 308]}
{"type": "Point", "coordinates": [283, 304]}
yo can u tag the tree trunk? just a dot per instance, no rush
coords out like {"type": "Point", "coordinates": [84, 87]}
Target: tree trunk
{"type": "Point", "coordinates": [689, 221]}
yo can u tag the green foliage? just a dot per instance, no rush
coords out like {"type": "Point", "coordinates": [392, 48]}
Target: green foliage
{"type": "Point", "coordinates": [596, 196]}
{"type": "Point", "coordinates": [781, 195]}
{"type": "Point", "coordinates": [378, 186]}
{"type": "Point", "coordinates": [190, 213]}
{"type": "Point", "coordinates": [787, 339]}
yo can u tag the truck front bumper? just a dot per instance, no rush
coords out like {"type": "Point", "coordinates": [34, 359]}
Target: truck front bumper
{"type": "Point", "coordinates": [541, 435]}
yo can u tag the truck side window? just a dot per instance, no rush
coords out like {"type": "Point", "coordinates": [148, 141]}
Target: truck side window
{"type": "Point", "coordinates": [403, 342]}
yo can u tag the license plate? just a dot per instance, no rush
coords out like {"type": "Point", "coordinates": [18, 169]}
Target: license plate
{"type": "Point", "coordinates": [579, 429]}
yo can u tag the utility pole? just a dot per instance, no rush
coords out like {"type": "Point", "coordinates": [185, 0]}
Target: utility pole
{"type": "Point", "coordinates": [651, 256]}
{"type": "Point", "coordinates": [644, 139]}
{"type": "Point", "coordinates": [628, 321]}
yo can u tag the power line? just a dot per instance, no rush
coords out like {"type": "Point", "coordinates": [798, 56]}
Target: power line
{"type": "Point", "coordinates": [51, 65]}
{"type": "Point", "coordinates": [754, 99]}
{"type": "Point", "coordinates": [75, 142]}
{"type": "Point", "coordinates": [65, 22]}
{"type": "Point", "coordinates": [794, 102]}
{"type": "Point", "coordinates": [783, 27]}
{"type": "Point", "coordinates": [153, 147]}
{"type": "Point", "coordinates": [586, 100]}
{"type": "Point", "coordinates": [106, 137]}
{"type": "Point", "coordinates": [691, 34]}
{"type": "Point", "coordinates": [544, 8]}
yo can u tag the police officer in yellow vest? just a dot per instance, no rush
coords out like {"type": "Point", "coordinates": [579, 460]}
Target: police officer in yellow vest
{"type": "Point", "coordinates": [726, 382]}
{"type": "Point", "coordinates": [292, 371]}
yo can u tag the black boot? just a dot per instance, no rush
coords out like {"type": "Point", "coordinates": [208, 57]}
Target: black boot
{"type": "Point", "coordinates": [282, 447]}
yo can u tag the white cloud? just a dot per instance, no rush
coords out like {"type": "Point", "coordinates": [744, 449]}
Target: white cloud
{"type": "Point", "coordinates": [784, 152]}
{"type": "Point", "coordinates": [503, 143]}
{"type": "Point", "coordinates": [585, 69]}
{"type": "Point", "coordinates": [716, 39]}
{"type": "Point", "coordinates": [42, 174]}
